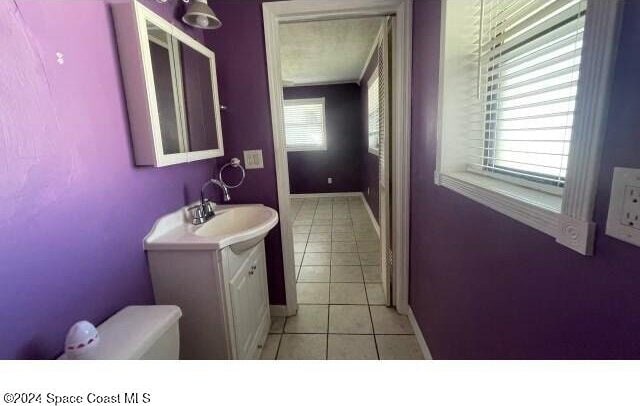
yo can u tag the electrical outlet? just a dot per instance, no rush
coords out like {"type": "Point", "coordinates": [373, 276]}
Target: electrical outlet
{"type": "Point", "coordinates": [253, 159]}
{"type": "Point", "coordinates": [623, 221]}
{"type": "Point", "coordinates": [631, 207]}
{"type": "Point", "coordinates": [329, 180]}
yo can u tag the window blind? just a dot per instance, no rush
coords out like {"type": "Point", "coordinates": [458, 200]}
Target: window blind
{"type": "Point", "coordinates": [304, 124]}
{"type": "Point", "coordinates": [528, 55]}
{"type": "Point", "coordinates": [373, 112]}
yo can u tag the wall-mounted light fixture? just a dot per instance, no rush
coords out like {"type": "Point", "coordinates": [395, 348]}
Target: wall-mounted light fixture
{"type": "Point", "coordinates": [199, 15]}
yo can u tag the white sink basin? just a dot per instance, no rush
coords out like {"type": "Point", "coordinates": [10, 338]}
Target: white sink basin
{"type": "Point", "coordinates": [240, 227]}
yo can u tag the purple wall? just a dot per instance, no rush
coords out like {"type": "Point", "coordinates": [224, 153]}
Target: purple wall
{"type": "Point", "coordinates": [309, 170]}
{"type": "Point", "coordinates": [243, 88]}
{"type": "Point", "coordinates": [370, 163]}
{"type": "Point", "coordinates": [74, 207]}
{"type": "Point", "coordinates": [486, 286]}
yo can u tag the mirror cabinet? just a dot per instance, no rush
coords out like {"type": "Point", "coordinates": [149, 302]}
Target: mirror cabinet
{"type": "Point", "coordinates": [171, 89]}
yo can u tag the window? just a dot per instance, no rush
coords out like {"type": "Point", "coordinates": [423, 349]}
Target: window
{"type": "Point", "coordinates": [522, 108]}
{"type": "Point", "coordinates": [529, 64]}
{"type": "Point", "coordinates": [304, 125]}
{"type": "Point", "coordinates": [373, 113]}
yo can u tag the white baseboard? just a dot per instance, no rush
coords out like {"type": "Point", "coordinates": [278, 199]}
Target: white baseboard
{"type": "Point", "coordinates": [278, 310]}
{"type": "Point", "coordinates": [373, 218]}
{"type": "Point", "coordinates": [426, 353]}
{"type": "Point", "coordinates": [319, 195]}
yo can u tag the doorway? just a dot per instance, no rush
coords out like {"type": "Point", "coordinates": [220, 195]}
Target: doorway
{"type": "Point", "coordinates": [393, 139]}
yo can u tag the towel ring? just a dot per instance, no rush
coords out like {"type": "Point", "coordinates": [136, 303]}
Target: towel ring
{"type": "Point", "coordinates": [234, 163]}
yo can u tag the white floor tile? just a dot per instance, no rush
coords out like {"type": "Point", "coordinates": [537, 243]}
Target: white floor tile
{"type": "Point", "coordinates": [371, 273]}
{"type": "Point", "coordinates": [387, 320]}
{"type": "Point", "coordinates": [277, 324]}
{"type": "Point", "coordinates": [321, 228]}
{"type": "Point", "coordinates": [309, 319]}
{"type": "Point", "coordinates": [316, 273]}
{"type": "Point", "coordinates": [345, 258]}
{"type": "Point", "coordinates": [370, 258]}
{"type": "Point", "coordinates": [347, 293]}
{"type": "Point", "coordinates": [351, 347]}
{"type": "Point", "coordinates": [270, 347]}
{"type": "Point", "coordinates": [316, 258]}
{"type": "Point", "coordinates": [395, 347]}
{"type": "Point", "coordinates": [375, 294]}
{"type": "Point", "coordinates": [346, 273]}
{"type": "Point", "coordinates": [318, 247]}
{"type": "Point", "coordinates": [349, 319]}
{"type": "Point", "coordinates": [313, 293]}
{"type": "Point", "coordinates": [343, 237]}
{"type": "Point", "coordinates": [319, 237]}
{"type": "Point", "coordinates": [343, 246]}
{"type": "Point", "coordinates": [303, 347]}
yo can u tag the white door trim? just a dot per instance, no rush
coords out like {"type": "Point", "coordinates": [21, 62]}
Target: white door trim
{"type": "Point", "coordinates": [277, 12]}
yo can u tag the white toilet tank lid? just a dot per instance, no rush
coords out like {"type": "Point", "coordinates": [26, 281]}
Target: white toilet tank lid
{"type": "Point", "coordinates": [130, 333]}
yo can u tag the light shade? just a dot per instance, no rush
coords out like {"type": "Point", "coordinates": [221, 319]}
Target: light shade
{"type": "Point", "coordinates": [200, 15]}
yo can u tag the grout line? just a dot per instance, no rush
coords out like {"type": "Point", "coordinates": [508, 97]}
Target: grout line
{"type": "Point", "coordinates": [279, 342]}
{"type": "Point", "coordinates": [373, 330]}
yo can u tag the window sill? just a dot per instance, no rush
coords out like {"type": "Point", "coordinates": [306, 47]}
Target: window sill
{"type": "Point", "coordinates": [306, 149]}
{"type": "Point", "coordinates": [540, 210]}
{"type": "Point", "coordinates": [534, 208]}
{"type": "Point", "coordinates": [374, 152]}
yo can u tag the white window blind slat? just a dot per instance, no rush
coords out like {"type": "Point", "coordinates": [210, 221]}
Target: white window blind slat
{"type": "Point", "coordinates": [304, 124]}
{"type": "Point", "coordinates": [373, 113]}
{"type": "Point", "coordinates": [529, 65]}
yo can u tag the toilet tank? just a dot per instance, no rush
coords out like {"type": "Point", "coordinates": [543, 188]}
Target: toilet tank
{"type": "Point", "coordinates": [140, 332]}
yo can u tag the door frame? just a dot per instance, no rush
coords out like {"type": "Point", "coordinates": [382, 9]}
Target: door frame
{"type": "Point", "coordinates": [278, 12]}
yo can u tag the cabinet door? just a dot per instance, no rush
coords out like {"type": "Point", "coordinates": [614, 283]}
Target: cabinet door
{"type": "Point", "coordinates": [250, 305]}
{"type": "Point", "coordinates": [242, 306]}
{"type": "Point", "coordinates": [260, 291]}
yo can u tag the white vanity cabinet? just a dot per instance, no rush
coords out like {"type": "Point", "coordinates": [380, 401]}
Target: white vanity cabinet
{"type": "Point", "coordinates": [223, 296]}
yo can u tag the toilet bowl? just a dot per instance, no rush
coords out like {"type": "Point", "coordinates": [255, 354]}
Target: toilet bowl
{"type": "Point", "coordinates": [139, 332]}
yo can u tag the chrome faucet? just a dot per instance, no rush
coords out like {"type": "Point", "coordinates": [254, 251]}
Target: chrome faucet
{"type": "Point", "coordinates": [205, 211]}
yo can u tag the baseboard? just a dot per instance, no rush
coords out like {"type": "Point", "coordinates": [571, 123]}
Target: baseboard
{"type": "Point", "coordinates": [426, 353]}
{"type": "Point", "coordinates": [373, 218]}
{"type": "Point", "coordinates": [278, 310]}
{"type": "Point", "coordinates": [318, 195]}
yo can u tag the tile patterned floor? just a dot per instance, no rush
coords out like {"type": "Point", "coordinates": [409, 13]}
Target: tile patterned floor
{"type": "Point", "coordinates": [341, 311]}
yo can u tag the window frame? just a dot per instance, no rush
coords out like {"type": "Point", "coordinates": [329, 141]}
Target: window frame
{"type": "Point", "coordinates": [306, 101]}
{"type": "Point", "coordinates": [374, 76]}
{"type": "Point", "coordinates": [567, 217]}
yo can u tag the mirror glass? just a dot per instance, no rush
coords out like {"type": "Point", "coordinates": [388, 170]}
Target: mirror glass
{"type": "Point", "coordinates": [198, 99]}
{"type": "Point", "coordinates": [167, 95]}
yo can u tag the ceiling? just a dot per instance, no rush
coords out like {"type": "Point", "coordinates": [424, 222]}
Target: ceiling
{"type": "Point", "coordinates": [331, 51]}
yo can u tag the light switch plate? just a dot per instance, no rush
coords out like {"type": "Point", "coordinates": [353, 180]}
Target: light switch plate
{"type": "Point", "coordinates": [253, 159]}
{"type": "Point", "coordinates": [623, 221]}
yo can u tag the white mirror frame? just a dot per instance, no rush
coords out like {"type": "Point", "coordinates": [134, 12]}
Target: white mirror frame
{"type": "Point", "coordinates": [131, 22]}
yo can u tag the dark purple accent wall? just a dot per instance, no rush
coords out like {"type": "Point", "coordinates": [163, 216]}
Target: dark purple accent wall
{"type": "Point", "coordinates": [243, 88]}
{"type": "Point", "coordinates": [370, 162]}
{"type": "Point", "coordinates": [309, 170]}
{"type": "Point", "coordinates": [74, 208]}
{"type": "Point", "coordinates": [485, 286]}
